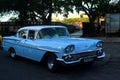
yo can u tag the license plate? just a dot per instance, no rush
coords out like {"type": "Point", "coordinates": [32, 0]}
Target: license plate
{"type": "Point", "coordinates": [88, 59]}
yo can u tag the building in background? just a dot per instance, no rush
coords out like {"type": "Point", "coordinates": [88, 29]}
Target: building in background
{"type": "Point", "coordinates": [112, 22]}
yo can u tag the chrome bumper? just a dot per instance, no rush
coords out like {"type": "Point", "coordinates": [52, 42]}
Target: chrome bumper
{"type": "Point", "coordinates": [80, 60]}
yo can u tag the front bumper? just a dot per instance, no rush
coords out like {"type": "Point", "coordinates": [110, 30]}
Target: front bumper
{"type": "Point", "coordinates": [82, 59]}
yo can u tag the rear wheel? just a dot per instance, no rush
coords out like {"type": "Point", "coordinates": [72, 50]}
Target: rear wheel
{"type": "Point", "coordinates": [12, 53]}
{"type": "Point", "coordinates": [51, 62]}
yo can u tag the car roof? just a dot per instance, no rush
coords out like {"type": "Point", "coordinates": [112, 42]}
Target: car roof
{"type": "Point", "coordinates": [38, 27]}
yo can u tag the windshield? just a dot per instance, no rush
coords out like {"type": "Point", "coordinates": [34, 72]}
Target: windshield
{"type": "Point", "coordinates": [53, 32]}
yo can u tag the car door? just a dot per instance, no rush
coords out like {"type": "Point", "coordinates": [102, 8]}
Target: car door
{"type": "Point", "coordinates": [20, 47]}
{"type": "Point", "coordinates": [30, 48]}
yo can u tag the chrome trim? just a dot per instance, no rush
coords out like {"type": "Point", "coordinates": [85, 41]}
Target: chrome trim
{"type": "Point", "coordinates": [6, 40]}
{"type": "Point", "coordinates": [102, 56]}
{"type": "Point", "coordinates": [33, 46]}
{"type": "Point", "coordinates": [48, 50]}
{"type": "Point", "coordinates": [91, 50]}
{"type": "Point", "coordinates": [88, 50]}
{"type": "Point", "coordinates": [71, 62]}
{"type": "Point", "coordinates": [77, 61]}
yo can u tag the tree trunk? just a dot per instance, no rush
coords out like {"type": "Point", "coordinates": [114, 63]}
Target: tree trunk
{"type": "Point", "coordinates": [92, 27]}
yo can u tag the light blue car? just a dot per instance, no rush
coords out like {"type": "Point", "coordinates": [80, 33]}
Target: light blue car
{"type": "Point", "coordinates": [53, 45]}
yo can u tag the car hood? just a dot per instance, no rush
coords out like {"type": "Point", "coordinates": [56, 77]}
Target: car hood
{"type": "Point", "coordinates": [81, 44]}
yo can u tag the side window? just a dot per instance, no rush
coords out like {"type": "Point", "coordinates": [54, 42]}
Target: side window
{"type": "Point", "coordinates": [22, 34]}
{"type": "Point", "coordinates": [31, 34]}
{"type": "Point", "coordinates": [38, 35]}
{"type": "Point", "coordinates": [61, 32]}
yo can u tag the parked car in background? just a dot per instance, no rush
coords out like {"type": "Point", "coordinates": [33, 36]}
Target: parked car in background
{"type": "Point", "coordinates": [52, 45]}
{"type": "Point", "coordinates": [77, 34]}
{"type": "Point", "coordinates": [73, 28]}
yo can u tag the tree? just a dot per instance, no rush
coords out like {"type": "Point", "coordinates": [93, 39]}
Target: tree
{"type": "Point", "coordinates": [20, 7]}
{"type": "Point", "coordinates": [41, 10]}
{"type": "Point", "coordinates": [114, 7]}
{"type": "Point", "coordinates": [35, 10]}
{"type": "Point", "coordinates": [93, 8]}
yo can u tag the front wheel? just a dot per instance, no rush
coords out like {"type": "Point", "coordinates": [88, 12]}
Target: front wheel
{"type": "Point", "coordinates": [51, 62]}
{"type": "Point", "coordinates": [12, 53]}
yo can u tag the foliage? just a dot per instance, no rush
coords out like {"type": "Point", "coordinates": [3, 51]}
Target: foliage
{"type": "Point", "coordinates": [41, 10]}
{"type": "Point", "coordinates": [35, 10]}
{"type": "Point", "coordinates": [93, 8]}
{"type": "Point", "coordinates": [73, 20]}
{"type": "Point", "coordinates": [114, 7]}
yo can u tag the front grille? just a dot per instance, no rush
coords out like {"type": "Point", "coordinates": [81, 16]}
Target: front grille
{"type": "Point", "coordinates": [84, 54]}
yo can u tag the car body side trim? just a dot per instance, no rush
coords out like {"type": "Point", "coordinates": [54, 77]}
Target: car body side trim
{"type": "Point", "coordinates": [34, 47]}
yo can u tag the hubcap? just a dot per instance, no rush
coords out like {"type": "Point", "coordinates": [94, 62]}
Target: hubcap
{"type": "Point", "coordinates": [50, 63]}
{"type": "Point", "coordinates": [12, 54]}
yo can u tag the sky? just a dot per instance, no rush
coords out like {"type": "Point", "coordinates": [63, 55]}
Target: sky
{"type": "Point", "coordinates": [71, 15]}
{"type": "Point", "coordinates": [6, 17]}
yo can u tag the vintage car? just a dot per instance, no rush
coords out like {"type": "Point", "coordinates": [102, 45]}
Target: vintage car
{"type": "Point", "coordinates": [52, 45]}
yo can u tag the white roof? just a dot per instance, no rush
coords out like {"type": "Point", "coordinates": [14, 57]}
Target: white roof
{"type": "Point", "coordinates": [38, 27]}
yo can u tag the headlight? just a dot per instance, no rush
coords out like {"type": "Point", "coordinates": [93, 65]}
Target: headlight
{"type": "Point", "coordinates": [99, 44]}
{"type": "Point", "coordinates": [69, 48]}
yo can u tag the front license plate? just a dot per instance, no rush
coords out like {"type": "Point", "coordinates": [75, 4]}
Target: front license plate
{"type": "Point", "coordinates": [88, 59]}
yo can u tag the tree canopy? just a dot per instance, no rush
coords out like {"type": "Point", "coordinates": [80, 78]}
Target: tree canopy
{"type": "Point", "coordinates": [114, 7]}
{"type": "Point", "coordinates": [35, 10]}
{"type": "Point", "coordinates": [93, 8]}
{"type": "Point", "coordinates": [41, 10]}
